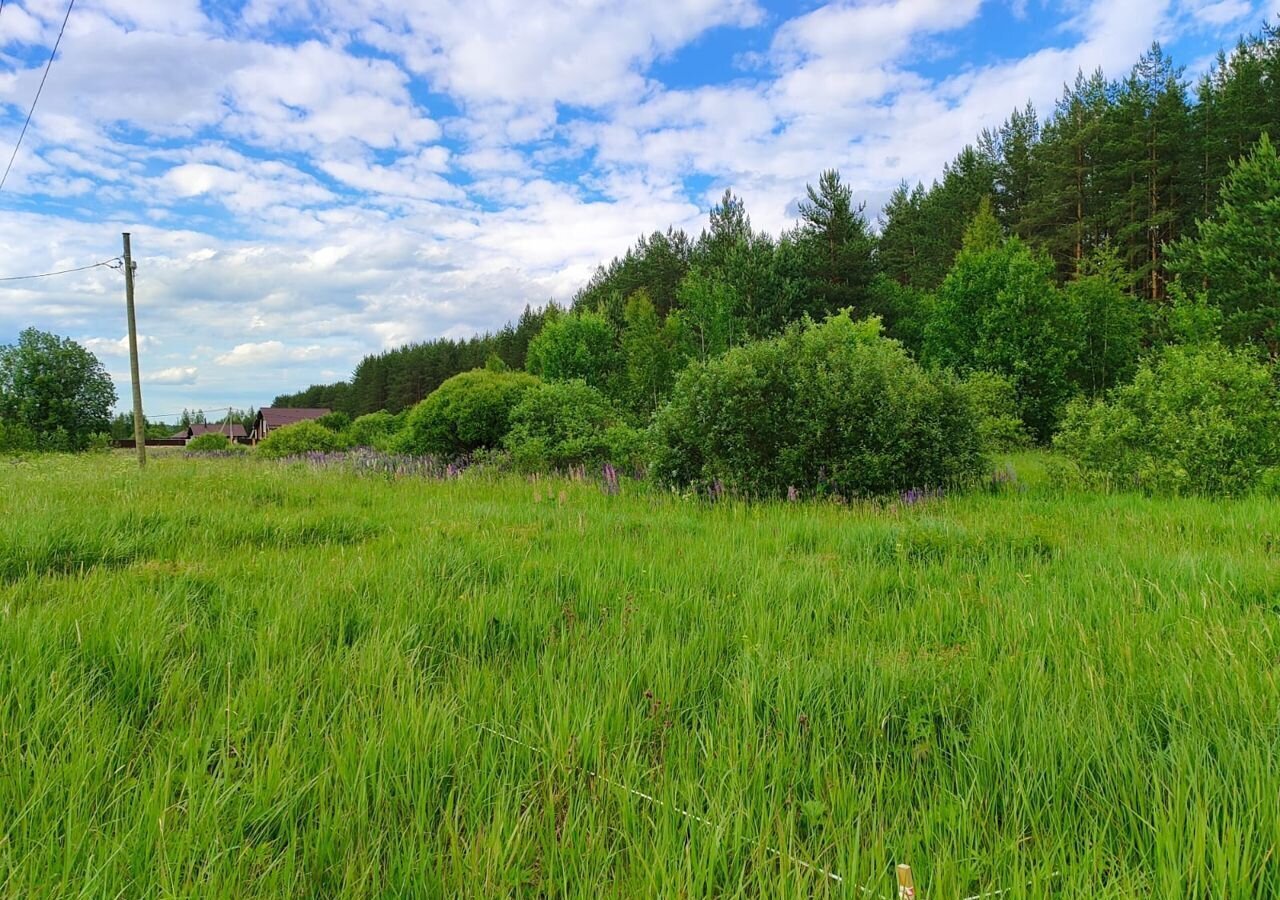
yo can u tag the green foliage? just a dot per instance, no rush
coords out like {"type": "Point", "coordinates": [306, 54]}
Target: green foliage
{"type": "Point", "coordinates": [1111, 323]}
{"type": "Point", "coordinates": [210, 442]}
{"type": "Point", "coordinates": [1196, 419]}
{"type": "Point", "coordinates": [336, 421]}
{"type": "Point", "coordinates": [832, 250]}
{"type": "Point", "coordinates": [469, 412]}
{"type": "Point", "coordinates": [833, 407]}
{"type": "Point", "coordinates": [301, 437]}
{"type": "Point", "coordinates": [994, 401]}
{"type": "Point", "coordinates": [581, 345]}
{"type": "Point", "coordinates": [1236, 251]}
{"type": "Point", "coordinates": [1187, 319]}
{"type": "Point", "coordinates": [55, 389]}
{"type": "Point", "coordinates": [707, 315]}
{"type": "Point", "coordinates": [561, 424]}
{"type": "Point", "coordinates": [376, 430]}
{"type": "Point", "coordinates": [998, 310]}
{"type": "Point", "coordinates": [16, 438]}
{"type": "Point", "coordinates": [649, 355]}
{"type": "Point", "coordinates": [904, 310]}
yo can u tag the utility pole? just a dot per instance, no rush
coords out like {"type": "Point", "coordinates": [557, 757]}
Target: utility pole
{"type": "Point", "coordinates": [139, 426]}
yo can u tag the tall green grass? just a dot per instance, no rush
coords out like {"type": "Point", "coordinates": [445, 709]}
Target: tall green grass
{"type": "Point", "coordinates": [230, 678]}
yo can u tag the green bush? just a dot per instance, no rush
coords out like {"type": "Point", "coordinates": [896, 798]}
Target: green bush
{"type": "Point", "coordinates": [213, 442]}
{"type": "Point", "coordinates": [834, 408]}
{"type": "Point", "coordinates": [335, 421]}
{"type": "Point", "coordinates": [376, 430]}
{"type": "Point", "coordinates": [16, 438]}
{"type": "Point", "coordinates": [469, 412]}
{"type": "Point", "coordinates": [299, 438]}
{"type": "Point", "coordinates": [561, 424]}
{"type": "Point", "coordinates": [1196, 419]}
{"type": "Point", "coordinates": [994, 399]}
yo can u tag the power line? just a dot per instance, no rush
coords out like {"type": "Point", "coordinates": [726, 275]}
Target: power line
{"type": "Point", "coordinates": [39, 90]}
{"type": "Point", "coordinates": [112, 263]}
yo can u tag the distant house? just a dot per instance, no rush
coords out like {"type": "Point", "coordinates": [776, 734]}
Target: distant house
{"type": "Point", "coordinates": [272, 417]}
{"type": "Point", "coordinates": [234, 431]}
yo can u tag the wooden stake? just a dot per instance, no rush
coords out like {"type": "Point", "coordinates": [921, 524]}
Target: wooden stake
{"type": "Point", "coordinates": [139, 424]}
{"type": "Point", "coordinates": [906, 884]}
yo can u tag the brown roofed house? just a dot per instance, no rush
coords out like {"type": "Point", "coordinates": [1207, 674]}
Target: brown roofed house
{"type": "Point", "coordinates": [234, 431]}
{"type": "Point", "coordinates": [272, 417]}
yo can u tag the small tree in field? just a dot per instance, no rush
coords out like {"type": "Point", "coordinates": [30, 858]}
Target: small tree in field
{"type": "Point", "coordinates": [55, 389]}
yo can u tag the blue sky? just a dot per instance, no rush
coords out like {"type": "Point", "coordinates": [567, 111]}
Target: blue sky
{"type": "Point", "coordinates": [309, 181]}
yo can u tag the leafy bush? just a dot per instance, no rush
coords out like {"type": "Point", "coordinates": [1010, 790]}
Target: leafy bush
{"type": "Point", "coordinates": [376, 430]}
{"type": "Point", "coordinates": [995, 406]}
{"type": "Point", "coordinates": [213, 442]}
{"type": "Point", "coordinates": [297, 439]}
{"type": "Point", "coordinates": [469, 412]}
{"type": "Point", "coordinates": [835, 407]}
{"type": "Point", "coordinates": [561, 424]}
{"type": "Point", "coordinates": [1195, 419]}
{"type": "Point", "coordinates": [16, 438]}
{"type": "Point", "coordinates": [335, 421]}
{"type": "Point", "coordinates": [581, 345]}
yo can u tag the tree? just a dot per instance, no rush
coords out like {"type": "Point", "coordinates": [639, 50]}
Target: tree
{"type": "Point", "coordinates": [835, 249]}
{"type": "Point", "coordinates": [647, 355]}
{"type": "Point", "coordinates": [999, 310]}
{"type": "Point", "coordinates": [1111, 322]}
{"type": "Point", "coordinates": [581, 345]}
{"type": "Point", "coordinates": [707, 305]}
{"type": "Point", "coordinates": [1236, 251]}
{"type": "Point", "coordinates": [56, 389]}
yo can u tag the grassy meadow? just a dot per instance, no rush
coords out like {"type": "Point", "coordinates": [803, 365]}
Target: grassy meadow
{"type": "Point", "coordinates": [231, 678]}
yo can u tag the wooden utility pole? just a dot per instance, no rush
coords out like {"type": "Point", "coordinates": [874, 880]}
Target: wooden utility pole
{"type": "Point", "coordinates": [139, 424]}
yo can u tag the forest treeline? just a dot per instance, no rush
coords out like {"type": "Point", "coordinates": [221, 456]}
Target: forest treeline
{"type": "Point", "coordinates": [1099, 193]}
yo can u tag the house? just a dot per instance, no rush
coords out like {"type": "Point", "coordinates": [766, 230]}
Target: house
{"type": "Point", "coordinates": [272, 417]}
{"type": "Point", "coordinates": [234, 431]}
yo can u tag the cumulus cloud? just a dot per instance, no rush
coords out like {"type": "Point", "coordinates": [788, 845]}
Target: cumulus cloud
{"type": "Point", "coordinates": [177, 375]}
{"type": "Point", "coordinates": [308, 181]}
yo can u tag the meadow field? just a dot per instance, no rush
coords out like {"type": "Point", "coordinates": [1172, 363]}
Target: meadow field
{"type": "Point", "coordinates": [234, 678]}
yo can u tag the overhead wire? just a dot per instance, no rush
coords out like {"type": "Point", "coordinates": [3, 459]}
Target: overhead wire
{"type": "Point", "coordinates": [39, 91]}
{"type": "Point", "coordinates": [109, 263]}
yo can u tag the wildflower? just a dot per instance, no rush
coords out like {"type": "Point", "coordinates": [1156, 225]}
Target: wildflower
{"type": "Point", "coordinates": [610, 480]}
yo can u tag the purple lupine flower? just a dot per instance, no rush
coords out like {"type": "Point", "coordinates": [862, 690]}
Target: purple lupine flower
{"type": "Point", "coordinates": [610, 480]}
{"type": "Point", "coordinates": [716, 491]}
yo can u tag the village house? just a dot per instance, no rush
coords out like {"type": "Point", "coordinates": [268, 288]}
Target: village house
{"type": "Point", "coordinates": [234, 431]}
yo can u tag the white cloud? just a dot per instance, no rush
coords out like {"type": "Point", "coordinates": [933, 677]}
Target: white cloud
{"type": "Point", "coordinates": [298, 203]}
{"type": "Point", "coordinates": [178, 375]}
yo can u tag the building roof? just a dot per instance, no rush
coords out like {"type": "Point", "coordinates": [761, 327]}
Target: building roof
{"type": "Point", "coordinates": [236, 430]}
{"type": "Point", "coordinates": [279, 416]}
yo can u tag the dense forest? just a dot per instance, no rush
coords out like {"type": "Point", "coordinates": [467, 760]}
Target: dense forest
{"type": "Point", "coordinates": [1100, 197]}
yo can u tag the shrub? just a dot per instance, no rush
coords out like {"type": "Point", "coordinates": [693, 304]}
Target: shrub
{"type": "Point", "coordinates": [1195, 419]}
{"type": "Point", "coordinates": [468, 412]}
{"type": "Point", "coordinates": [561, 424]}
{"type": "Point", "coordinates": [994, 399]}
{"type": "Point", "coordinates": [297, 439]}
{"type": "Point", "coordinates": [835, 407]}
{"type": "Point", "coordinates": [376, 430]}
{"type": "Point", "coordinates": [212, 442]}
{"type": "Point", "coordinates": [335, 421]}
{"type": "Point", "coordinates": [16, 438]}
